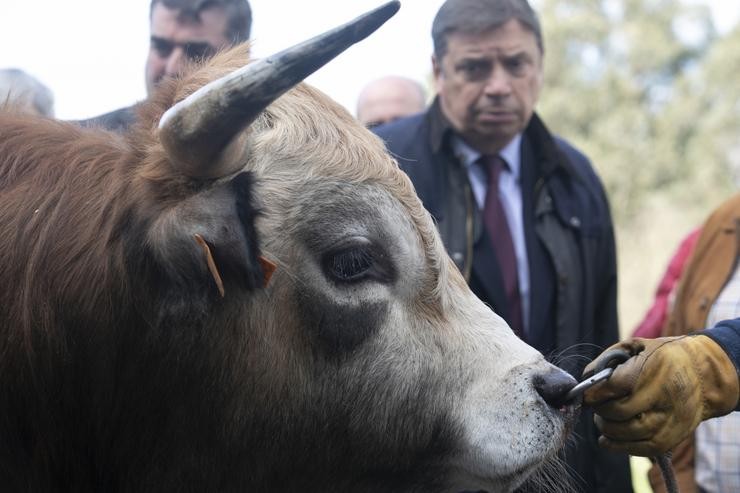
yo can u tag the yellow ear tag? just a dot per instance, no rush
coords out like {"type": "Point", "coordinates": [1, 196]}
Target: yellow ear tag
{"type": "Point", "coordinates": [268, 268]}
{"type": "Point", "coordinates": [211, 264]}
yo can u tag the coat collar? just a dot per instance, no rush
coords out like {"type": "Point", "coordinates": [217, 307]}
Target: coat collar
{"type": "Point", "coordinates": [549, 157]}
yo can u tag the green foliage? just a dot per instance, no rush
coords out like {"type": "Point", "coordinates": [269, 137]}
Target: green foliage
{"type": "Point", "coordinates": [648, 89]}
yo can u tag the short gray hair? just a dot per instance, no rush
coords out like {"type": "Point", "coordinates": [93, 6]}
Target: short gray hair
{"type": "Point", "coordinates": [479, 16]}
{"type": "Point", "coordinates": [17, 88]}
{"type": "Point", "coordinates": [238, 13]}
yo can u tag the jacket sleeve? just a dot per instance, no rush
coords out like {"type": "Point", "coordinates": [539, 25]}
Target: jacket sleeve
{"type": "Point", "coordinates": [727, 335]}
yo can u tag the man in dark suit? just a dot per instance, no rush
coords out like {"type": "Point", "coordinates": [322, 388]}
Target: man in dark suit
{"type": "Point", "coordinates": [522, 212]}
{"type": "Point", "coordinates": [183, 31]}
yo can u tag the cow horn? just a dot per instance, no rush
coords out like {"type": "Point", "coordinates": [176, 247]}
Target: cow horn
{"type": "Point", "coordinates": [197, 130]}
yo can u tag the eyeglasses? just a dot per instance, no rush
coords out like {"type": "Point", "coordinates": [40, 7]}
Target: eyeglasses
{"type": "Point", "coordinates": [193, 51]}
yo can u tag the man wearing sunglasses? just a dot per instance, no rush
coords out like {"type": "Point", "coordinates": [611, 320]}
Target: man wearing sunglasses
{"type": "Point", "coordinates": [183, 31]}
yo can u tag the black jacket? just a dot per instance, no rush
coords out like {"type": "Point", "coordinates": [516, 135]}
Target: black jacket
{"type": "Point", "coordinates": [570, 249]}
{"type": "Point", "coordinates": [117, 120]}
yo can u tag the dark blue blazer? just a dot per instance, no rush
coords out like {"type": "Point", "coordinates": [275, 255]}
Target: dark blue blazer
{"type": "Point", "coordinates": [570, 250]}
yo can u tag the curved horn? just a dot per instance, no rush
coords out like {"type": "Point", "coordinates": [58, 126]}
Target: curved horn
{"type": "Point", "coordinates": [197, 130]}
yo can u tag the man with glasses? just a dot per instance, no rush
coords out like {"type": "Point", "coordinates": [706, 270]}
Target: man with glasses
{"type": "Point", "coordinates": [182, 31]}
{"type": "Point", "coordinates": [521, 211]}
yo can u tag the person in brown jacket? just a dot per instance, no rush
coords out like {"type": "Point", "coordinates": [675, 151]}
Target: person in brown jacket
{"type": "Point", "coordinates": [707, 292]}
{"type": "Point", "coordinates": [673, 384]}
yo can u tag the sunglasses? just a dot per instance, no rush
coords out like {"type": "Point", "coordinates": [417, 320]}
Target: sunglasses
{"type": "Point", "coordinates": [193, 51]}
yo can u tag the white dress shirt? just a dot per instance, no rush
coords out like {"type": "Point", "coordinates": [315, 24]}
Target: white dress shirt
{"type": "Point", "coordinates": [510, 193]}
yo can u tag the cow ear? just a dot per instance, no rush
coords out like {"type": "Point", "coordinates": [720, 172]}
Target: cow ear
{"type": "Point", "coordinates": [207, 248]}
{"type": "Point", "coordinates": [231, 252]}
{"type": "Point", "coordinates": [211, 263]}
{"type": "Point", "coordinates": [268, 269]}
{"type": "Point", "coordinates": [268, 266]}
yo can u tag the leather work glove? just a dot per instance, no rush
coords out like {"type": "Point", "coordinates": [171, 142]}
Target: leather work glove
{"type": "Point", "coordinates": [658, 397]}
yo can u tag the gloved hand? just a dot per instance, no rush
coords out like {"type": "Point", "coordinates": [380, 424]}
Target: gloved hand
{"type": "Point", "coordinates": [659, 396]}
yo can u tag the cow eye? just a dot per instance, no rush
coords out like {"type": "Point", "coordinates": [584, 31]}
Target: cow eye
{"type": "Point", "coordinates": [349, 265]}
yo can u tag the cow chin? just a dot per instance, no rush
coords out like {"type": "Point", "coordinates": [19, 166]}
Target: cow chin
{"type": "Point", "coordinates": [511, 432]}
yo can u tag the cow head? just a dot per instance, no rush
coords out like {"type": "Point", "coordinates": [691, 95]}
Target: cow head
{"type": "Point", "coordinates": [364, 362]}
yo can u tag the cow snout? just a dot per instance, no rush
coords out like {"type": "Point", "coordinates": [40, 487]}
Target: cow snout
{"type": "Point", "coordinates": [553, 387]}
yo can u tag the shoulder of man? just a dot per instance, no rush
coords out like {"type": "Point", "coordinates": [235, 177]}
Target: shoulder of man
{"type": "Point", "coordinates": [409, 141]}
{"type": "Point", "coordinates": [117, 120]}
{"type": "Point", "coordinates": [560, 154]}
{"type": "Point", "coordinates": [579, 162]}
{"type": "Point", "coordinates": [403, 135]}
{"type": "Point", "coordinates": [578, 190]}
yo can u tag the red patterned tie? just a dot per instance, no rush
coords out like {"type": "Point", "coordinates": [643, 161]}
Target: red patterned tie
{"type": "Point", "coordinates": [497, 225]}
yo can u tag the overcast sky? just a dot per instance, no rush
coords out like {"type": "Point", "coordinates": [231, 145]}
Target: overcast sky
{"type": "Point", "coordinates": [91, 52]}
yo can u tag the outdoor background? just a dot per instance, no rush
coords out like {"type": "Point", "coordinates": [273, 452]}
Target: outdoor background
{"type": "Point", "coordinates": [647, 88]}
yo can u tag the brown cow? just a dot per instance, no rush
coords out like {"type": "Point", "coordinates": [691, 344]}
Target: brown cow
{"type": "Point", "coordinates": [144, 348]}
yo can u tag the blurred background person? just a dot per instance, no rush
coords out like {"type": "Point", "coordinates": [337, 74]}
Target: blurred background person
{"type": "Point", "coordinates": [655, 318]}
{"type": "Point", "coordinates": [640, 400]}
{"type": "Point", "coordinates": [24, 92]}
{"type": "Point", "coordinates": [183, 31]}
{"type": "Point", "coordinates": [389, 98]}
{"type": "Point", "coordinates": [708, 292]}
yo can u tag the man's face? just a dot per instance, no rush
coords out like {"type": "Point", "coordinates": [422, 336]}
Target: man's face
{"type": "Point", "coordinates": [173, 42]}
{"type": "Point", "coordinates": [488, 84]}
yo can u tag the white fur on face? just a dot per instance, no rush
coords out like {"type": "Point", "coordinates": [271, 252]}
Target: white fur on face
{"type": "Point", "coordinates": [509, 428]}
{"type": "Point", "coordinates": [419, 327]}
{"type": "Point", "coordinates": [506, 429]}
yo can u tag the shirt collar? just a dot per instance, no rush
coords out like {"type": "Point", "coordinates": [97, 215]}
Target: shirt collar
{"type": "Point", "coordinates": [511, 153]}
{"type": "Point", "coordinates": [547, 155]}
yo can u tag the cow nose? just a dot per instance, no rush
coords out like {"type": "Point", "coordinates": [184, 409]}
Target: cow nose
{"type": "Point", "coordinates": [553, 386]}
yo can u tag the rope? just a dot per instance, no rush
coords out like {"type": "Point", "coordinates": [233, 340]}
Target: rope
{"type": "Point", "coordinates": [609, 360]}
{"type": "Point", "coordinates": [666, 468]}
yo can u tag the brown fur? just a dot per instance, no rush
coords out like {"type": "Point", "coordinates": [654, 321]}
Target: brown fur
{"type": "Point", "coordinates": [141, 351]}
{"type": "Point", "coordinates": [119, 367]}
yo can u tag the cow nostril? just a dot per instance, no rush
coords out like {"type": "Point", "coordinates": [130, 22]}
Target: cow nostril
{"type": "Point", "coordinates": [553, 387]}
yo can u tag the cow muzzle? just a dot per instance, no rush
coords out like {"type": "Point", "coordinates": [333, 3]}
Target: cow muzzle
{"type": "Point", "coordinates": [554, 386]}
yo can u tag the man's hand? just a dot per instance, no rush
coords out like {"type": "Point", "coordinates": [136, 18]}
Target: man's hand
{"type": "Point", "coordinates": [658, 397]}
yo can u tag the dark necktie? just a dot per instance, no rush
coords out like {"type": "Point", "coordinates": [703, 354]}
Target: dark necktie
{"type": "Point", "coordinates": [497, 226]}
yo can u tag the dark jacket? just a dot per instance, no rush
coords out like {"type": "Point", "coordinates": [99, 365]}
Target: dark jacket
{"type": "Point", "coordinates": [117, 120]}
{"type": "Point", "coordinates": [727, 335]}
{"type": "Point", "coordinates": [570, 249]}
